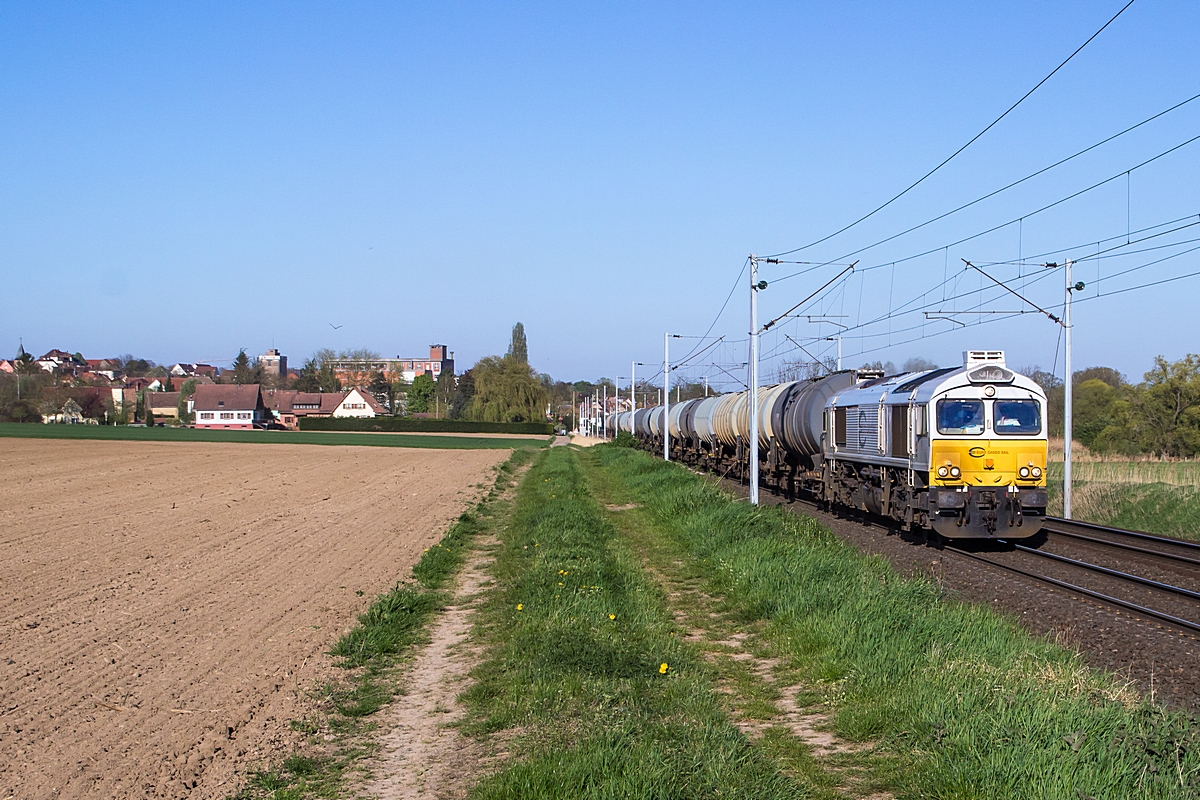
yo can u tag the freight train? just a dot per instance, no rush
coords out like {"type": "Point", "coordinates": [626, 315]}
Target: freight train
{"type": "Point", "coordinates": [959, 451]}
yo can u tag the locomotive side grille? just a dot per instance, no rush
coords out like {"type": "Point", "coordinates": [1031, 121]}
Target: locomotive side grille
{"type": "Point", "coordinates": [862, 428]}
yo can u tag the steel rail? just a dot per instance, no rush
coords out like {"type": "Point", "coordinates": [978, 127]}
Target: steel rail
{"type": "Point", "coordinates": [1091, 526]}
{"type": "Point", "coordinates": [1080, 590]}
{"type": "Point", "coordinates": [1132, 547]}
{"type": "Point", "coordinates": [1125, 576]}
{"type": "Point", "coordinates": [1149, 612]}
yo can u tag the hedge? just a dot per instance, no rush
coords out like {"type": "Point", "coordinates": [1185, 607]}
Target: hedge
{"type": "Point", "coordinates": [412, 425]}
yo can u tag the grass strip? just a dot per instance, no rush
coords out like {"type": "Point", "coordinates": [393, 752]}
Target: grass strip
{"type": "Point", "coordinates": [966, 702]}
{"type": "Point", "coordinates": [126, 433]}
{"type": "Point", "coordinates": [373, 654]}
{"type": "Point", "coordinates": [407, 424]}
{"type": "Point", "coordinates": [585, 678]}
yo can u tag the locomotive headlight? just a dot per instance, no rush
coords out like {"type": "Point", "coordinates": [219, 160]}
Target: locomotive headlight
{"type": "Point", "coordinates": [955, 472]}
{"type": "Point", "coordinates": [1023, 472]}
{"type": "Point", "coordinates": [1037, 472]}
{"type": "Point", "coordinates": [943, 472]}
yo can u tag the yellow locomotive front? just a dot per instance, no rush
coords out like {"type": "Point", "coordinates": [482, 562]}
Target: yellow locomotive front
{"type": "Point", "coordinates": [987, 455]}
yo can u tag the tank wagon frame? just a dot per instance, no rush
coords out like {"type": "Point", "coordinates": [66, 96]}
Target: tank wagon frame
{"type": "Point", "coordinates": [961, 451]}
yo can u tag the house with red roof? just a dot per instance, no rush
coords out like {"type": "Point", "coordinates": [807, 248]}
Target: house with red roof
{"type": "Point", "coordinates": [220, 406]}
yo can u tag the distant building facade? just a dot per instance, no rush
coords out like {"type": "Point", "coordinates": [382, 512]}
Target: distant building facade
{"type": "Point", "coordinates": [273, 363]}
{"type": "Point", "coordinates": [353, 372]}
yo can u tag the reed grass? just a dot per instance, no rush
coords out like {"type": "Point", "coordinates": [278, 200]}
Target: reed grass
{"type": "Point", "coordinates": [1126, 495]}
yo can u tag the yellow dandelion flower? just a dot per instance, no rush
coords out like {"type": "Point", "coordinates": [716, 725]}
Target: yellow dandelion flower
{"type": "Point", "coordinates": [612, 616]}
{"type": "Point", "coordinates": [560, 583]}
{"type": "Point", "coordinates": [662, 668]}
{"type": "Point", "coordinates": [520, 606]}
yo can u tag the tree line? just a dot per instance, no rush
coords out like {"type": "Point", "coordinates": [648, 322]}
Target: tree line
{"type": "Point", "coordinates": [1160, 415]}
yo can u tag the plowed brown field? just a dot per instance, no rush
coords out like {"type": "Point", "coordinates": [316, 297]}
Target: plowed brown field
{"type": "Point", "coordinates": [165, 606]}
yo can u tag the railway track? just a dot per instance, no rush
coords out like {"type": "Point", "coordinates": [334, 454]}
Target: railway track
{"type": "Point", "coordinates": [1112, 566]}
{"type": "Point", "coordinates": [1124, 550]}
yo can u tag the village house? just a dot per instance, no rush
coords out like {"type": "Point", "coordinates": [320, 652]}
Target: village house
{"type": "Point", "coordinates": [359, 403]}
{"type": "Point", "coordinates": [229, 406]}
{"type": "Point", "coordinates": [163, 404]}
{"type": "Point", "coordinates": [194, 370]}
{"type": "Point", "coordinates": [60, 361]}
{"type": "Point", "coordinates": [103, 366]}
{"type": "Point", "coordinates": [71, 414]}
{"type": "Point", "coordinates": [288, 405]}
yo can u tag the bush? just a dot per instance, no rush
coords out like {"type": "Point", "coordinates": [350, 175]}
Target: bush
{"type": "Point", "coordinates": [401, 425]}
{"type": "Point", "coordinates": [624, 439]}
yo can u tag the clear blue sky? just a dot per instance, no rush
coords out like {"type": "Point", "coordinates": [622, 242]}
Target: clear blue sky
{"type": "Point", "coordinates": [182, 181]}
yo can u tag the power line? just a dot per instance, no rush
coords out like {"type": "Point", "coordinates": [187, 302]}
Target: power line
{"type": "Point", "coordinates": [1047, 207]}
{"type": "Point", "coordinates": [1002, 189]}
{"type": "Point", "coordinates": [973, 139]}
{"type": "Point", "coordinates": [1006, 315]}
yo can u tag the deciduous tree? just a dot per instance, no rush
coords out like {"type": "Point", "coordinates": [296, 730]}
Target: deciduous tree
{"type": "Point", "coordinates": [1169, 402]}
{"type": "Point", "coordinates": [420, 394]}
{"type": "Point", "coordinates": [307, 380]}
{"type": "Point", "coordinates": [444, 392]}
{"type": "Point", "coordinates": [506, 390]}
{"type": "Point", "coordinates": [462, 395]}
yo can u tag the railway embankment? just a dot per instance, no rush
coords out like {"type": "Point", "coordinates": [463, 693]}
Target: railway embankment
{"type": "Point", "coordinates": [920, 693]}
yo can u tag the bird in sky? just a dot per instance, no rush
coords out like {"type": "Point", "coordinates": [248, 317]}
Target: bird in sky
{"type": "Point", "coordinates": [335, 327]}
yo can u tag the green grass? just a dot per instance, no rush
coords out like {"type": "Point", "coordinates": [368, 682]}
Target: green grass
{"type": "Point", "coordinates": [956, 700]}
{"type": "Point", "coordinates": [408, 424]}
{"type": "Point", "coordinates": [373, 654]}
{"type": "Point", "coordinates": [1156, 497]}
{"type": "Point", "coordinates": [131, 434]}
{"type": "Point", "coordinates": [582, 695]}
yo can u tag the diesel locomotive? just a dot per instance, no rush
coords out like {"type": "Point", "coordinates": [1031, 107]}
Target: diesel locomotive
{"type": "Point", "coordinates": [960, 451]}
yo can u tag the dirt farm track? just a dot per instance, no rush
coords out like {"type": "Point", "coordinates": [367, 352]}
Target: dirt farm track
{"type": "Point", "coordinates": [163, 606]}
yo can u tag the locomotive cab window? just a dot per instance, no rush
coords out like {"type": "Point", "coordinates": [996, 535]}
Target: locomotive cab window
{"type": "Point", "coordinates": [960, 416]}
{"type": "Point", "coordinates": [1017, 417]}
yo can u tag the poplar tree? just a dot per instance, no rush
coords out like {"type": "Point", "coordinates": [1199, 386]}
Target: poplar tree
{"type": "Point", "coordinates": [518, 349]}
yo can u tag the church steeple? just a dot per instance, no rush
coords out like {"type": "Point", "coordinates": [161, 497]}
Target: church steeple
{"type": "Point", "coordinates": [21, 354]}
